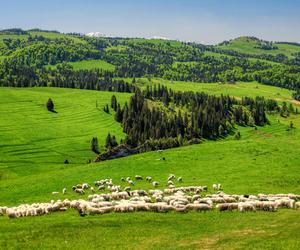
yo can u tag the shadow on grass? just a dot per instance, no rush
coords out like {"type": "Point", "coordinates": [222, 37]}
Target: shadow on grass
{"type": "Point", "coordinates": [53, 111]}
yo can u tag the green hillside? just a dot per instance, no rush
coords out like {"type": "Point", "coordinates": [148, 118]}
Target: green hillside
{"type": "Point", "coordinates": [38, 139]}
{"type": "Point", "coordinates": [249, 45]}
{"type": "Point", "coordinates": [43, 152]}
{"type": "Point", "coordinates": [32, 151]}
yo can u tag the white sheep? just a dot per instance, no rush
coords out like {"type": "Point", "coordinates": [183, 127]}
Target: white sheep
{"type": "Point", "coordinates": [138, 177]}
{"type": "Point", "coordinates": [55, 193]}
{"type": "Point", "coordinates": [79, 191]}
{"type": "Point", "coordinates": [217, 186]}
{"type": "Point", "coordinates": [131, 183]}
{"type": "Point", "coordinates": [155, 184]}
{"type": "Point", "coordinates": [64, 191]}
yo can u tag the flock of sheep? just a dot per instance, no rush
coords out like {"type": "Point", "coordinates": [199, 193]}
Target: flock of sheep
{"type": "Point", "coordinates": [180, 199]}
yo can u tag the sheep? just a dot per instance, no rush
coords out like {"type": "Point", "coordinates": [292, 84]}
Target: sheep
{"type": "Point", "coordinates": [155, 184]}
{"type": "Point", "coordinates": [138, 178]}
{"type": "Point", "coordinates": [171, 177]}
{"type": "Point", "coordinates": [149, 178]}
{"type": "Point", "coordinates": [92, 190]}
{"type": "Point", "coordinates": [297, 205]}
{"type": "Point", "coordinates": [170, 183]}
{"type": "Point", "coordinates": [217, 186]}
{"type": "Point", "coordinates": [179, 179]}
{"type": "Point", "coordinates": [288, 203]}
{"type": "Point", "coordinates": [55, 193]}
{"type": "Point", "coordinates": [3, 210]}
{"type": "Point", "coordinates": [246, 206]}
{"type": "Point", "coordinates": [64, 191]}
{"type": "Point", "coordinates": [79, 191]}
{"type": "Point", "coordinates": [131, 183]}
{"type": "Point", "coordinates": [128, 179]}
{"type": "Point", "coordinates": [266, 206]}
{"type": "Point", "coordinates": [199, 207]}
{"type": "Point", "coordinates": [101, 187]}
{"type": "Point", "coordinates": [227, 206]}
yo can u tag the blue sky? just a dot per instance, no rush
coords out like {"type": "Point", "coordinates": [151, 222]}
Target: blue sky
{"type": "Point", "coordinates": [206, 21]}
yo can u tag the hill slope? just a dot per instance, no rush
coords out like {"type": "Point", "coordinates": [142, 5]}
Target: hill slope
{"type": "Point", "coordinates": [262, 161]}
{"type": "Point", "coordinates": [250, 45]}
{"type": "Point", "coordinates": [37, 139]}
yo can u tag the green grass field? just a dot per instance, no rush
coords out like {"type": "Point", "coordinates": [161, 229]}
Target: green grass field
{"type": "Point", "coordinates": [34, 143]}
{"type": "Point", "coordinates": [88, 65]}
{"type": "Point", "coordinates": [246, 45]}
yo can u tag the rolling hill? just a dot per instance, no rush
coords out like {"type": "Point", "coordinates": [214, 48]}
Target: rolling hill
{"type": "Point", "coordinates": [31, 168]}
{"type": "Point", "coordinates": [35, 143]}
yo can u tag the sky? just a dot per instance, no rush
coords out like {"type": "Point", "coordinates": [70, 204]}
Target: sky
{"type": "Point", "coordinates": [204, 21]}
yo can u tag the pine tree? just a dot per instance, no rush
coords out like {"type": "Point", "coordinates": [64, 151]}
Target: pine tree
{"type": "Point", "coordinates": [108, 141]}
{"type": "Point", "coordinates": [119, 114]}
{"type": "Point", "coordinates": [50, 105]}
{"type": "Point", "coordinates": [95, 145]}
{"type": "Point", "coordinates": [114, 103]}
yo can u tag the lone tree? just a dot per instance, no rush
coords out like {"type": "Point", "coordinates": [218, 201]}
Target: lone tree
{"type": "Point", "coordinates": [50, 105]}
{"type": "Point", "coordinates": [95, 145]}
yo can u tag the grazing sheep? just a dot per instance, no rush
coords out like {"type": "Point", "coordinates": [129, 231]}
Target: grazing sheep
{"type": "Point", "coordinates": [288, 203]}
{"type": "Point", "coordinates": [3, 210]}
{"type": "Point", "coordinates": [101, 187]}
{"type": "Point", "coordinates": [217, 186]}
{"type": "Point", "coordinates": [128, 179]}
{"type": "Point", "coordinates": [171, 177]}
{"type": "Point", "coordinates": [179, 179]}
{"type": "Point", "coordinates": [155, 184]}
{"type": "Point", "coordinates": [138, 178]}
{"type": "Point", "coordinates": [246, 206]}
{"type": "Point", "coordinates": [131, 183]}
{"type": "Point", "coordinates": [227, 206]}
{"type": "Point", "coordinates": [149, 178]}
{"type": "Point", "coordinates": [55, 193]}
{"type": "Point", "coordinates": [92, 190]}
{"type": "Point", "coordinates": [64, 191]}
{"type": "Point", "coordinates": [199, 207]}
{"type": "Point", "coordinates": [170, 183]}
{"type": "Point", "coordinates": [79, 191]}
{"type": "Point", "coordinates": [297, 205]}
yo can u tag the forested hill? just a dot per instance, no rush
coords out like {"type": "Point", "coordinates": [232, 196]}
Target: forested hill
{"type": "Point", "coordinates": [50, 58]}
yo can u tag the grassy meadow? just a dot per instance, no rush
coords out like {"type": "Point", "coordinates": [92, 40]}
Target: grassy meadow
{"type": "Point", "coordinates": [34, 144]}
{"type": "Point", "coordinates": [88, 65]}
{"type": "Point", "coordinates": [248, 46]}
